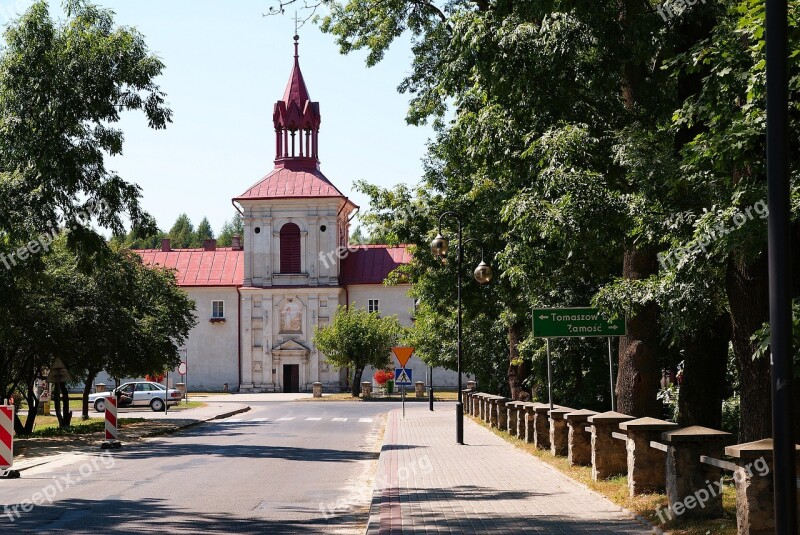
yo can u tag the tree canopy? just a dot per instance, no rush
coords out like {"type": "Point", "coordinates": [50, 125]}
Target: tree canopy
{"type": "Point", "coordinates": [356, 339]}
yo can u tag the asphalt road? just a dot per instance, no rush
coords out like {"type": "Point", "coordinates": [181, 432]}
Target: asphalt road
{"type": "Point", "coordinates": [294, 467]}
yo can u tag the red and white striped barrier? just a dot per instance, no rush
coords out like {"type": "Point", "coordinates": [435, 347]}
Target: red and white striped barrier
{"type": "Point", "coordinates": [111, 418]}
{"type": "Point", "coordinates": [6, 436]}
{"type": "Point", "coordinates": [7, 442]}
{"type": "Point", "coordinates": [111, 423]}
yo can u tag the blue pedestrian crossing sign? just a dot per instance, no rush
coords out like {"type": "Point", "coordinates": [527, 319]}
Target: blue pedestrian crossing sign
{"type": "Point", "coordinates": [402, 377]}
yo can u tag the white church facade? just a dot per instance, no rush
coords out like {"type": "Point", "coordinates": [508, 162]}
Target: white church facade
{"type": "Point", "coordinates": [259, 302]}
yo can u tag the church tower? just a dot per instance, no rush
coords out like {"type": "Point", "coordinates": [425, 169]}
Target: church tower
{"type": "Point", "coordinates": [294, 217]}
{"type": "Point", "coordinates": [295, 221]}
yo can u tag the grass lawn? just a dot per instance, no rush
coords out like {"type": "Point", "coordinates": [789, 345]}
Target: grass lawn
{"type": "Point", "coordinates": [47, 426]}
{"type": "Point", "coordinates": [616, 490]}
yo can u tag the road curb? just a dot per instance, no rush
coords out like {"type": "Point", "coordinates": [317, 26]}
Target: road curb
{"type": "Point", "coordinates": [154, 434]}
{"type": "Point", "coordinates": [181, 427]}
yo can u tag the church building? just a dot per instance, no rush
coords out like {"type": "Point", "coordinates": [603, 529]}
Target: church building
{"type": "Point", "coordinates": [259, 302]}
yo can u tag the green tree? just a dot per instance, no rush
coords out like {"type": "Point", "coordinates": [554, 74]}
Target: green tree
{"type": "Point", "coordinates": [203, 232]}
{"type": "Point", "coordinates": [58, 124]}
{"type": "Point", "coordinates": [231, 228]}
{"type": "Point", "coordinates": [182, 234]}
{"type": "Point", "coordinates": [357, 339]}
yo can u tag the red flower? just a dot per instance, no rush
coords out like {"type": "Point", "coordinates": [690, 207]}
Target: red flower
{"type": "Point", "coordinates": [382, 376]}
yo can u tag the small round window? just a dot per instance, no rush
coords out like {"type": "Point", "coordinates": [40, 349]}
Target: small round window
{"type": "Point", "coordinates": [257, 230]}
{"type": "Point", "coordinates": [323, 228]}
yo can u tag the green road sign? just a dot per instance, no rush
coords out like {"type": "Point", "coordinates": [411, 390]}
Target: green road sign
{"type": "Point", "coordinates": [574, 323]}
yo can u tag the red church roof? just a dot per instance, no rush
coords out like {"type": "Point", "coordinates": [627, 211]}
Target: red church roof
{"type": "Point", "coordinates": [282, 183]}
{"type": "Point", "coordinates": [198, 267]}
{"type": "Point", "coordinates": [371, 264]}
{"type": "Point", "coordinates": [224, 267]}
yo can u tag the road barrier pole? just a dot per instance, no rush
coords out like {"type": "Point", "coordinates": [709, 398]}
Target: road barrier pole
{"type": "Point", "coordinates": [111, 441]}
{"type": "Point", "coordinates": [7, 442]}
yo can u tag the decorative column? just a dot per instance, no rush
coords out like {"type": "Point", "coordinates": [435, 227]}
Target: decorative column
{"type": "Point", "coordinates": [755, 495]}
{"type": "Point", "coordinates": [646, 465]}
{"type": "Point", "coordinates": [609, 454]}
{"type": "Point", "coordinates": [559, 432]}
{"type": "Point", "coordinates": [580, 441]}
{"type": "Point", "coordinates": [687, 476]}
{"type": "Point", "coordinates": [541, 435]}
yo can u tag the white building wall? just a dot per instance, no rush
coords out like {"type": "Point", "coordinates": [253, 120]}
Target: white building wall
{"type": "Point", "coordinates": [211, 350]}
{"type": "Point", "coordinates": [395, 301]}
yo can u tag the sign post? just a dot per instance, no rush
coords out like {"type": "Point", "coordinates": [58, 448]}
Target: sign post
{"type": "Point", "coordinates": [182, 370]}
{"type": "Point", "coordinates": [402, 376]}
{"type": "Point", "coordinates": [7, 443]}
{"type": "Point", "coordinates": [576, 323]}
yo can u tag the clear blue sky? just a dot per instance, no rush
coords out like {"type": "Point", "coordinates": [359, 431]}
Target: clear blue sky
{"type": "Point", "coordinates": [226, 65]}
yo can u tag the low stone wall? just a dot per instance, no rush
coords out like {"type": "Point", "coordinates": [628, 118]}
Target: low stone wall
{"type": "Point", "coordinates": [655, 455]}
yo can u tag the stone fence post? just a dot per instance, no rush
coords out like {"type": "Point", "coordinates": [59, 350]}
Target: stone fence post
{"type": "Point", "coordinates": [687, 476]}
{"type": "Point", "coordinates": [466, 394]}
{"type": "Point", "coordinates": [317, 389]}
{"type": "Point", "coordinates": [512, 412]}
{"type": "Point", "coordinates": [366, 389]}
{"type": "Point", "coordinates": [559, 432]}
{"type": "Point", "coordinates": [609, 455]}
{"type": "Point", "coordinates": [419, 389]}
{"type": "Point", "coordinates": [541, 426]}
{"type": "Point", "coordinates": [646, 465]}
{"type": "Point", "coordinates": [755, 496]}
{"type": "Point", "coordinates": [526, 422]}
{"type": "Point", "coordinates": [579, 451]}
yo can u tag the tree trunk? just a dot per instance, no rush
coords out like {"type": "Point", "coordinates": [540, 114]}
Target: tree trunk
{"type": "Point", "coordinates": [639, 374]}
{"type": "Point", "coordinates": [87, 389]}
{"type": "Point", "coordinates": [518, 368]}
{"type": "Point", "coordinates": [702, 388]}
{"type": "Point", "coordinates": [357, 373]}
{"type": "Point", "coordinates": [57, 403]}
{"type": "Point", "coordinates": [65, 400]}
{"type": "Point", "coordinates": [748, 297]}
{"type": "Point", "coordinates": [61, 398]}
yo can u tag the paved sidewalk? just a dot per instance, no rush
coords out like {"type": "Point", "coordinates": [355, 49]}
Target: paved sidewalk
{"type": "Point", "coordinates": [32, 452]}
{"type": "Point", "coordinates": [427, 484]}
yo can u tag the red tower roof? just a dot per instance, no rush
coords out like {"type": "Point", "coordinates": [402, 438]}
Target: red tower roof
{"type": "Point", "coordinates": [296, 119]}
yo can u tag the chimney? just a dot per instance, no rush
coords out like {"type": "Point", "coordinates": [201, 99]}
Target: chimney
{"type": "Point", "coordinates": [210, 245]}
{"type": "Point", "coordinates": [165, 247]}
{"type": "Point", "coordinates": [236, 243]}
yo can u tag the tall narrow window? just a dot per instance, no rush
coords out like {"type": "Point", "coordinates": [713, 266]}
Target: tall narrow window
{"type": "Point", "coordinates": [218, 310]}
{"type": "Point", "coordinates": [290, 248]}
{"type": "Point", "coordinates": [373, 305]}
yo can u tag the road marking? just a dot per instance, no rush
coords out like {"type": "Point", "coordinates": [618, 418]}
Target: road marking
{"type": "Point", "coordinates": [313, 419]}
{"type": "Point", "coordinates": [286, 419]}
{"type": "Point", "coordinates": [260, 419]}
{"type": "Point", "coordinates": [365, 420]}
{"type": "Point", "coordinates": [339, 419]}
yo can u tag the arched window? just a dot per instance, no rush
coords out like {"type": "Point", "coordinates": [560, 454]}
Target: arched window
{"type": "Point", "coordinates": [290, 248]}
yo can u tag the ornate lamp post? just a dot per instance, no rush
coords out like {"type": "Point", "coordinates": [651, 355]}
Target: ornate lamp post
{"type": "Point", "coordinates": [482, 274]}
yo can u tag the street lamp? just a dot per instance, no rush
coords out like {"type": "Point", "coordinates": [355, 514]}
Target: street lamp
{"type": "Point", "coordinates": [482, 274]}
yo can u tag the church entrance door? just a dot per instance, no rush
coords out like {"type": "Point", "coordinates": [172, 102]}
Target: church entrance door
{"type": "Point", "coordinates": [291, 378]}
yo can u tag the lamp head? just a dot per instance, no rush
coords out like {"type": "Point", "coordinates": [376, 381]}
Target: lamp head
{"type": "Point", "coordinates": [439, 246]}
{"type": "Point", "coordinates": [483, 273]}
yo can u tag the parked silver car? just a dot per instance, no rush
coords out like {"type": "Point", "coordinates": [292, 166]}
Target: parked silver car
{"type": "Point", "coordinates": [138, 394]}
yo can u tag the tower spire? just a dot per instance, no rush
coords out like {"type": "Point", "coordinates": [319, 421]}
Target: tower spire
{"type": "Point", "coordinates": [296, 34]}
{"type": "Point", "coordinates": [297, 120]}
